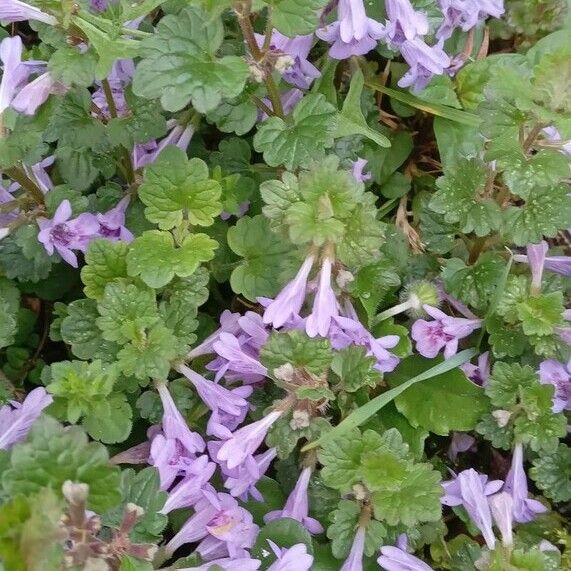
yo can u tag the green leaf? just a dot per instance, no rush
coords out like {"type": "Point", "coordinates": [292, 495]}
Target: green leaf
{"type": "Point", "coordinates": [129, 563]}
{"type": "Point", "coordinates": [354, 369]}
{"type": "Point", "coordinates": [551, 474]}
{"type": "Point", "coordinates": [235, 115]}
{"type": "Point", "coordinates": [105, 261]}
{"type": "Point", "coordinates": [126, 309]}
{"type": "Point", "coordinates": [456, 141]}
{"type": "Point", "coordinates": [297, 349]}
{"type": "Point", "coordinates": [70, 66]}
{"type": "Point", "coordinates": [9, 306]}
{"type": "Point", "coordinates": [514, 293]}
{"type": "Point", "coordinates": [475, 285]}
{"type": "Point", "coordinates": [500, 436]}
{"type": "Point", "coordinates": [507, 381]}
{"type": "Point", "coordinates": [302, 140]}
{"type": "Point", "coordinates": [176, 188]}
{"type": "Point", "coordinates": [295, 17]}
{"type": "Point", "coordinates": [285, 532]}
{"type": "Point", "coordinates": [54, 454]}
{"type": "Point", "coordinates": [461, 199]}
{"type": "Point", "coordinates": [151, 355]}
{"type": "Point", "coordinates": [417, 498]}
{"type": "Point", "coordinates": [359, 416]}
{"type": "Point", "coordinates": [79, 329]}
{"type": "Point", "coordinates": [154, 257]}
{"type": "Point", "coordinates": [506, 339]}
{"type": "Point", "coordinates": [278, 196]}
{"type": "Point", "coordinates": [179, 63]}
{"type": "Point", "coordinates": [351, 120]}
{"type": "Point", "coordinates": [445, 403]}
{"type": "Point", "coordinates": [22, 257]}
{"type": "Point", "coordinates": [142, 489]}
{"type": "Point", "coordinates": [79, 386]}
{"type": "Point", "coordinates": [263, 253]}
{"type": "Point", "coordinates": [285, 433]}
{"type": "Point", "coordinates": [109, 420]}
{"type": "Point", "coordinates": [77, 166]}
{"type": "Point", "coordinates": [344, 523]}
{"type": "Point", "coordinates": [540, 314]}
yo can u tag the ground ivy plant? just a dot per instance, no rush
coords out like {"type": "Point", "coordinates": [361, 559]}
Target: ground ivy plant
{"type": "Point", "coordinates": [284, 285]}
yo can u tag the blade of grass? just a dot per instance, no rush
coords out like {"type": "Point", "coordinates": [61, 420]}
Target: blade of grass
{"type": "Point", "coordinates": [456, 115]}
{"type": "Point", "coordinates": [364, 412]}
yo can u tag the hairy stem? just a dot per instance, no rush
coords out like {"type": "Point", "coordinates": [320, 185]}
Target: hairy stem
{"type": "Point", "coordinates": [17, 174]}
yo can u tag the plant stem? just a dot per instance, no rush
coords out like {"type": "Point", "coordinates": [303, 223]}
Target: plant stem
{"type": "Point", "coordinates": [109, 97]}
{"type": "Point", "coordinates": [529, 140]}
{"type": "Point", "coordinates": [392, 311]}
{"type": "Point", "coordinates": [476, 250]}
{"type": "Point", "coordinates": [258, 55]}
{"type": "Point", "coordinates": [262, 106]}
{"type": "Point", "coordinates": [17, 174]}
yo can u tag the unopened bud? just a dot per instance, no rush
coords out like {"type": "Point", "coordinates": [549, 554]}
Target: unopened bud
{"type": "Point", "coordinates": [284, 62]}
{"type": "Point", "coordinates": [284, 372]}
{"type": "Point", "coordinates": [75, 492]}
{"type": "Point", "coordinates": [360, 492]}
{"type": "Point", "coordinates": [418, 294]}
{"type": "Point", "coordinates": [135, 510]}
{"type": "Point", "coordinates": [256, 73]}
{"type": "Point", "coordinates": [343, 278]}
{"type": "Point", "coordinates": [502, 417]}
{"type": "Point", "coordinates": [300, 419]}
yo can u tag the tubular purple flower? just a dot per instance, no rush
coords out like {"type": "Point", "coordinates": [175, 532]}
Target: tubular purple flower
{"type": "Point", "coordinates": [174, 425]}
{"type": "Point", "coordinates": [228, 324]}
{"type": "Point", "coordinates": [302, 73]}
{"type": "Point", "coordinates": [444, 332]}
{"type": "Point", "coordinates": [480, 373]}
{"type": "Point", "coordinates": [524, 509]}
{"type": "Point", "coordinates": [353, 33]}
{"type": "Point", "coordinates": [289, 99]}
{"type": "Point", "coordinates": [358, 168]}
{"type": "Point", "coordinates": [297, 505]}
{"type": "Point", "coordinates": [466, 14]}
{"type": "Point", "coordinates": [36, 93]}
{"type": "Point", "coordinates": [237, 359]}
{"type": "Point", "coordinates": [294, 558]}
{"type": "Point", "coordinates": [395, 559]}
{"type": "Point", "coordinates": [552, 134]}
{"type": "Point", "coordinates": [404, 23]}
{"type": "Point", "coordinates": [288, 302]}
{"type": "Point", "coordinates": [246, 440]}
{"type": "Point", "coordinates": [502, 511]}
{"type": "Point", "coordinates": [425, 61]}
{"type": "Point", "coordinates": [325, 306]}
{"type": "Point", "coordinates": [189, 491]}
{"type": "Point", "coordinates": [354, 561]}
{"type": "Point", "coordinates": [241, 481]}
{"type": "Point", "coordinates": [555, 373]}
{"type": "Point", "coordinates": [16, 11]}
{"type": "Point", "coordinates": [461, 442]}
{"type": "Point", "coordinates": [179, 136]}
{"type": "Point", "coordinates": [538, 261]}
{"type": "Point", "coordinates": [470, 489]}
{"type": "Point", "coordinates": [228, 564]}
{"type": "Point", "coordinates": [16, 418]}
{"type": "Point", "coordinates": [112, 223]}
{"type": "Point", "coordinates": [64, 235]}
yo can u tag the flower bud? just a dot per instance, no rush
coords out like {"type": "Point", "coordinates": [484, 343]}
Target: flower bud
{"type": "Point", "coordinates": [418, 294]}
{"type": "Point", "coordinates": [75, 492]}
{"type": "Point", "coordinates": [502, 417]}
{"type": "Point", "coordinates": [300, 419]}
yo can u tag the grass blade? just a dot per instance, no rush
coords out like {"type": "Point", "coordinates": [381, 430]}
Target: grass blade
{"type": "Point", "coordinates": [364, 412]}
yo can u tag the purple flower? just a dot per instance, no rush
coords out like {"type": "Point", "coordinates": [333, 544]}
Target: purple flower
{"type": "Point", "coordinates": [553, 134]}
{"type": "Point", "coordinates": [288, 302]}
{"type": "Point", "coordinates": [246, 440]}
{"type": "Point", "coordinates": [289, 99]}
{"type": "Point", "coordinates": [237, 359]}
{"type": "Point", "coordinates": [404, 23]}
{"type": "Point", "coordinates": [480, 373]}
{"type": "Point", "coordinates": [228, 324]}
{"type": "Point", "coordinates": [64, 235]}
{"type": "Point", "coordinates": [112, 223]}
{"type": "Point", "coordinates": [357, 170]}
{"type": "Point", "coordinates": [16, 11]}
{"type": "Point", "coordinates": [228, 564]}
{"type": "Point", "coordinates": [555, 373]}
{"type": "Point", "coordinates": [295, 558]}
{"type": "Point", "coordinates": [353, 34]}
{"type": "Point", "coordinates": [502, 511]}
{"type": "Point", "coordinates": [189, 490]}
{"type": "Point", "coordinates": [425, 61]}
{"type": "Point", "coordinates": [174, 425]}
{"type": "Point", "coordinates": [325, 305]}
{"type": "Point", "coordinates": [180, 136]}
{"type": "Point", "coordinates": [354, 561]}
{"type": "Point", "coordinates": [98, 5]}
{"type": "Point", "coordinates": [302, 73]}
{"type": "Point", "coordinates": [241, 481]}
{"type": "Point", "coordinates": [297, 505]}
{"type": "Point", "coordinates": [443, 332]}
{"type": "Point", "coordinates": [16, 418]}
{"type": "Point", "coordinates": [219, 399]}
{"type": "Point", "coordinates": [36, 92]}
{"type": "Point", "coordinates": [461, 442]}
{"type": "Point", "coordinates": [466, 14]}
{"type": "Point", "coordinates": [220, 524]}
{"type": "Point", "coordinates": [538, 261]}
{"type": "Point", "coordinates": [470, 490]}
{"type": "Point", "coordinates": [395, 559]}
{"type": "Point", "coordinates": [524, 508]}
{"type": "Point", "coordinates": [346, 331]}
